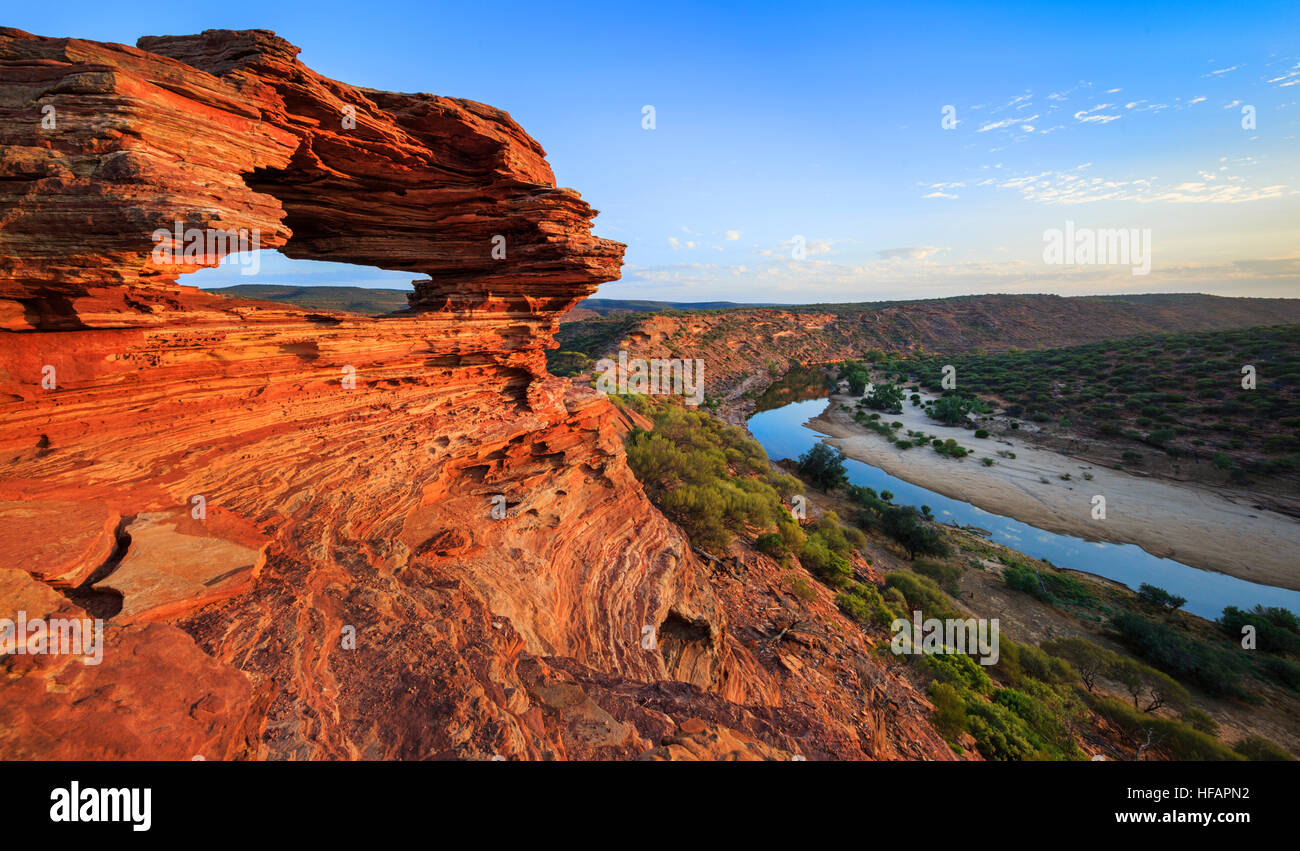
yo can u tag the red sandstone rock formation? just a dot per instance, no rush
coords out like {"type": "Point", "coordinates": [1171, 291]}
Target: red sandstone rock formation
{"type": "Point", "coordinates": [344, 588]}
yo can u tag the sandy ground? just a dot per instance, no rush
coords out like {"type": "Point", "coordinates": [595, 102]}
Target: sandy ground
{"type": "Point", "coordinates": [1193, 524]}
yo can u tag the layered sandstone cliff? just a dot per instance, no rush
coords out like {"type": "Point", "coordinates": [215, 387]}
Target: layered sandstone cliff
{"type": "Point", "coordinates": [314, 535]}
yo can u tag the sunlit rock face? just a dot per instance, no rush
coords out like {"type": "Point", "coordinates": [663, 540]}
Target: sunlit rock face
{"type": "Point", "coordinates": [314, 535]}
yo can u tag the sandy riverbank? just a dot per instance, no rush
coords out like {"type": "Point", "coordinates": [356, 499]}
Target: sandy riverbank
{"type": "Point", "coordinates": [1196, 525]}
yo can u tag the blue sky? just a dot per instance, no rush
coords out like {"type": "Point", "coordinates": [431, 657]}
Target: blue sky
{"type": "Point", "coordinates": [824, 121]}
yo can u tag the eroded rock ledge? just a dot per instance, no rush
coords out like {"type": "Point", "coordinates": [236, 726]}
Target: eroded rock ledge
{"type": "Point", "coordinates": [344, 590]}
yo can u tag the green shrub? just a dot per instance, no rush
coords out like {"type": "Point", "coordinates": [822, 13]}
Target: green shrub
{"type": "Point", "coordinates": [1260, 749]}
{"type": "Point", "coordinates": [1154, 596]}
{"type": "Point", "coordinates": [1165, 735]}
{"type": "Point", "coordinates": [949, 710]}
{"type": "Point", "coordinates": [946, 576]}
{"type": "Point", "coordinates": [1275, 629]}
{"type": "Point", "coordinates": [772, 544]}
{"type": "Point", "coordinates": [1199, 719]}
{"type": "Point", "coordinates": [1211, 668]}
{"type": "Point", "coordinates": [862, 602]}
{"type": "Point", "coordinates": [710, 478]}
{"type": "Point", "coordinates": [803, 589]}
{"type": "Point", "coordinates": [921, 593]}
{"type": "Point", "coordinates": [1018, 662]}
{"type": "Point", "coordinates": [824, 563]}
{"type": "Point", "coordinates": [905, 525]}
{"type": "Point", "coordinates": [823, 467]}
{"type": "Point", "coordinates": [957, 669]}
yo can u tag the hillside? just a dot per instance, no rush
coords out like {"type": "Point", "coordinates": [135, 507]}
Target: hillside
{"type": "Point", "coordinates": [744, 347]}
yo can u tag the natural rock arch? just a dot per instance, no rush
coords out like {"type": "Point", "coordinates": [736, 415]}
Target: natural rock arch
{"type": "Point", "coordinates": [227, 130]}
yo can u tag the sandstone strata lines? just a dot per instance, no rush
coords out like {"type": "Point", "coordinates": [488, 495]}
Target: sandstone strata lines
{"type": "Point", "coordinates": [337, 509]}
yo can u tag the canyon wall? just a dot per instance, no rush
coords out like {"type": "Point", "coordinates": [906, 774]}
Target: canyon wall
{"type": "Point", "coordinates": [746, 348]}
{"type": "Point", "coordinates": [316, 535]}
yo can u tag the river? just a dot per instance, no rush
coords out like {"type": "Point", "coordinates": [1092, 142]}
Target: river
{"type": "Point", "coordinates": [784, 433]}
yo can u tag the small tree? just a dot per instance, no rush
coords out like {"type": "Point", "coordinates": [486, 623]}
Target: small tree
{"type": "Point", "coordinates": [885, 397]}
{"type": "Point", "coordinates": [1155, 596]}
{"type": "Point", "coordinates": [903, 523]}
{"type": "Point", "coordinates": [1138, 680]}
{"type": "Point", "coordinates": [951, 410]}
{"type": "Point", "coordinates": [823, 467]}
{"type": "Point", "coordinates": [1089, 660]}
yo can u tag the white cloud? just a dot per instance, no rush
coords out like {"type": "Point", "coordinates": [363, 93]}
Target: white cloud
{"type": "Point", "coordinates": [908, 252]}
{"type": "Point", "coordinates": [732, 235]}
{"type": "Point", "coordinates": [1072, 186]}
{"type": "Point", "coordinates": [1006, 122]}
{"type": "Point", "coordinates": [1093, 114]}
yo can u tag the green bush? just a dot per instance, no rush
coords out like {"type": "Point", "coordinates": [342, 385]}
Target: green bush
{"type": "Point", "coordinates": [1275, 629]}
{"type": "Point", "coordinates": [824, 563]}
{"type": "Point", "coordinates": [921, 594]}
{"type": "Point", "coordinates": [1021, 578]}
{"type": "Point", "coordinates": [862, 602]}
{"type": "Point", "coordinates": [1211, 668]}
{"type": "Point", "coordinates": [1166, 735]}
{"type": "Point", "coordinates": [905, 525]}
{"type": "Point", "coordinates": [949, 710]}
{"type": "Point", "coordinates": [710, 478]}
{"type": "Point", "coordinates": [823, 467]}
{"type": "Point", "coordinates": [946, 576]}
{"type": "Point", "coordinates": [1199, 719]}
{"type": "Point", "coordinates": [1154, 596]}
{"type": "Point", "coordinates": [957, 669]}
{"type": "Point", "coordinates": [1019, 662]}
{"type": "Point", "coordinates": [772, 544]}
{"type": "Point", "coordinates": [1260, 749]}
{"type": "Point", "coordinates": [1000, 734]}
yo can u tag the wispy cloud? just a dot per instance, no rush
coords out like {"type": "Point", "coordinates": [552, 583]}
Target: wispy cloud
{"type": "Point", "coordinates": [908, 252]}
{"type": "Point", "coordinates": [1094, 114]}
{"type": "Point", "coordinates": [1073, 186]}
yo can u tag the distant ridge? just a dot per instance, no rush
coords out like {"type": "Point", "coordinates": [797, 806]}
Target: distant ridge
{"type": "Point", "coordinates": [347, 299]}
{"type": "Point", "coordinates": [1157, 311]}
{"type": "Point", "coordinates": [606, 306]}
{"type": "Point", "coordinates": [373, 302]}
{"type": "Point", "coordinates": [743, 342]}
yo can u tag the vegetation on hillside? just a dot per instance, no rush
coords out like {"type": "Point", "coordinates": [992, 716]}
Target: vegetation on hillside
{"type": "Point", "coordinates": [712, 479]}
{"type": "Point", "coordinates": [1179, 394]}
{"type": "Point", "coordinates": [1034, 702]}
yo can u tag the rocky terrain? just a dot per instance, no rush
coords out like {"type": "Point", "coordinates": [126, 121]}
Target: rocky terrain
{"type": "Point", "coordinates": [312, 534]}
